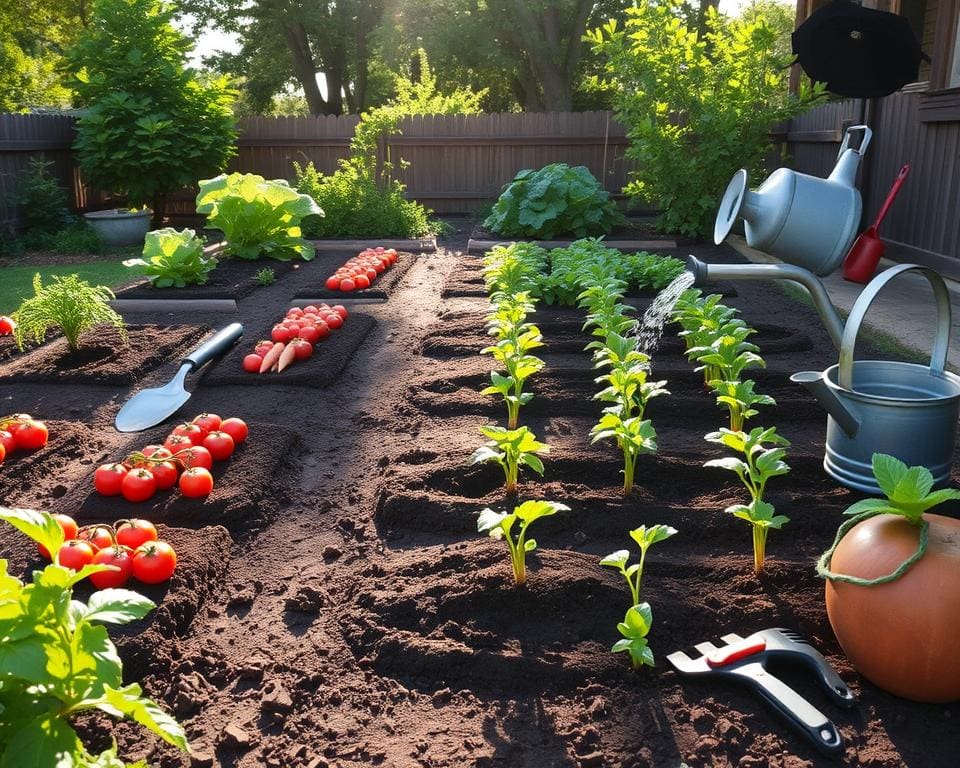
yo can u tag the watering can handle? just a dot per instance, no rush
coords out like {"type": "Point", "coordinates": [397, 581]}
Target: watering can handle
{"type": "Point", "coordinates": [941, 343]}
{"type": "Point", "coordinates": [864, 143]}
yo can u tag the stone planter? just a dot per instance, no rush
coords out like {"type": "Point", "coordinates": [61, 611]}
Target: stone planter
{"type": "Point", "coordinates": [120, 227]}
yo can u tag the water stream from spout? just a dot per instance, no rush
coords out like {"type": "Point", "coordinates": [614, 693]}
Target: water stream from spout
{"type": "Point", "coordinates": [649, 328]}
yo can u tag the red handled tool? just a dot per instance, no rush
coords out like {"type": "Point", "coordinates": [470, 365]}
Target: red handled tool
{"type": "Point", "coordinates": [864, 255]}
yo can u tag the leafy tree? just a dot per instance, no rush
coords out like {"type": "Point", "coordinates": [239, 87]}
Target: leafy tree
{"type": "Point", "coordinates": [697, 107]}
{"type": "Point", "coordinates": [153, 126]}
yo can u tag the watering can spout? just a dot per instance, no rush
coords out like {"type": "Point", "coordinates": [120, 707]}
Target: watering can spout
{"type": "Point", "coordinates": [815, 382]}
{"type": "Point", "coordinates": [704, 274]}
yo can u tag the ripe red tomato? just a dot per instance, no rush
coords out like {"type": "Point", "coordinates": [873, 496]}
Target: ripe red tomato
{"type": "Point", "coordinates": [261, 349]}
{"type": "Point", "coordinates": [310, 308]}
{"type": "Point", "coordinates": [294, 312]}
{"type": "Point", "coordinates": [108, 477]}
{"type": "Point", "coordinates": [310, 334]}
{"type": "Point", "coordinates": [69, 527]}
{"type": "Point", "coordinates": [31, 436]}
{"type": "Point", "coordinates": [280, 333]}
{"type": "Point", "coordinates": [197, 456]}
{"type": "Point", "coordinates": [252, 363]}
{"type": "Point", "coordinates": [347, 284]}
{"type": "Point", "coordinates": [334, 321]}
{"type": "Point", "coordinates": [134, 532]}
{"type": "Point", "coordinates": [236, 428]}
{"type": "Point", "coordinates": [340, 310]}
{"type": "Point", "coordinates": [333, 283]}
{"type": "Point", "coordinates": [138, 485]}
{"type": "Point", "coordinates": [176, 443]}
{"type": "Point", "coordinates": [122, 558]}
{"type": "Point", "coordinates": [196, 483]}
{"type": "Point", "coordinates": [6, 439]}
{"type": "Point", "coordinates": [75, 554]}
{"type": "Point", "coordinates": [7, 325]}
{"type": "Point", "coordinates": [165, 473]}
{"type": "Point", "coordinates": [14, 422]}
{"type": "Point", "coordinates": [302, 349]}
{"type": "Point", "coordinates": [98, 537]}
{"type": "Point", "coordinates": [193, 432]}
{"type": "Point", "coordinates": [149, 450]}
{"type": "Point", "coordinates": [154, 562]}
{"type": "Point", "coordinates": [220, 444]}
{"type": "Point", "coordinates": [3, 453]}
{"type": "Point", "coordinates": [362, 281]}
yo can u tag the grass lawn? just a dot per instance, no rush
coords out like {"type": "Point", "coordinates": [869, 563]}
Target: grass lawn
{"type": "Point", "coordinates": [16, 282]}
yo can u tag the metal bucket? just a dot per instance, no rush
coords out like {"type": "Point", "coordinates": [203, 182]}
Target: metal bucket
{"type": "Point", "coordinates": [882, 406]}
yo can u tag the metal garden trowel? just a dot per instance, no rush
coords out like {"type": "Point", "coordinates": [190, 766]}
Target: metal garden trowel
{"type": "Point", "coordinates": [151, 406]}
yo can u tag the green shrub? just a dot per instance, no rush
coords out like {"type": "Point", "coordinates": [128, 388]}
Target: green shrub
{"type": "Point", "coordinates": [152, 126]}
{"type": "Point", "coordinates": [257, 217]}
{"type": "Point", "coordinates": [42, 201]}
{"type": "Point", "coordinates": [696, 109]}
{"type": "Point", "coordinates": [173, 259]}
{"type": "Point", "coordinates": [79, 237]}
{"type": "Point", "coordinates": [555, 200]}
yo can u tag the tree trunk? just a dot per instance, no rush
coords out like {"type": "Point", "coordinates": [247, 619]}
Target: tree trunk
{"type": "Point", "coordinates": [305, 67]}
{"type": "Point", "coordinates": [159, 203]}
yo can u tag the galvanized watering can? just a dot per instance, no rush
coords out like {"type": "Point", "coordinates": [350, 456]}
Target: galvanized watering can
{"type": "Point", "coordinates": [804, 220]}
{"type": "Point", "coordinates": [882, 406]}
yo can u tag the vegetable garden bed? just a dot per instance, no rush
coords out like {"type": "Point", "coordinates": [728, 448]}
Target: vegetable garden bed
{"type": "Point", "coordinates": [232, 279]}
{"type": "Point", "coordinates": [359, 619]}
{"type": "Point", "coordinates": [327, 262]}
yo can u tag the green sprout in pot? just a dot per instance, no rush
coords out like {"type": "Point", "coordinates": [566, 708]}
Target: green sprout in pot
{"type": "Point", "coordinates": [70, 304]}
{"type": "Point", "coordinates": [510, 448]}
{"type": "Point", "coordinates": [634, 435]}
{"type": "Point", "coordinates": [499, 525]}
{"type": "Point", "coordinates": [633, 574]}
{"type": "Point", "coordinates": [266, 276]}
{"type": "Point", "coordinates": [635, 627]}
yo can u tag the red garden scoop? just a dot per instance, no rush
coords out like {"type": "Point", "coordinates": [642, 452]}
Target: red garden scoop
{"type": "Point", "coordinates": [865, 253]}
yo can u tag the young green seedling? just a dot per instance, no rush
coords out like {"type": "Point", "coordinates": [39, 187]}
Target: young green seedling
{"type": "Point", "coordinates": [634, 436]}
{"type": "Point", "coordinates": [499, 525]}
{"type": "Point", "coordinates": [739, 399]}
{"type": "Point", "coordinates": [729, 355]}
{"type": "Point", "coordinates": [759, 464]}
{"type": "Point", "coordinates": [633, 574]}
{"type": "Point", "coordinates": [520, 367]}
{"type": "Point", "coordinates": [635, 627]}
{"type": "Point", "coordinates": [510, 448]}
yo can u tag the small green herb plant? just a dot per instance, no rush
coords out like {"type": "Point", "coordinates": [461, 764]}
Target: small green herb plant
{"type": "Point", "coordinates": [634, 435]}
{"type": "Point", "coordinates": [173, 259]}
{"type": "Point", "coordinates": [763, 453]}
{"type": "Point", "coordinates": [57, 661]}
{"type": "Point", "coordinates": [633, 574]}
{"type": "Point", "coordinates": [68, 303]}
{"type": "Point", "coordinates": [258, 217]}
{"type": "Point", "coordinates": [635, 627]}
{"type": "Point", "coordinates": [510, 448]}
{"type": "Point", "coordinates": [908, 493]}
{"type": "Point", "coordinates": [499, 525]}
{"type": "Point", "coordinates": [266, 276]}
{"type": "Point", "coordinates": [514, 268]}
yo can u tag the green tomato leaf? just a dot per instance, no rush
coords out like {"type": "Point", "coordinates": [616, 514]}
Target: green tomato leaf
{"type": "Point", "coordinates": [129, 701]}
{"type": "Point", "coordinates": [47, 741]}
{"type": "Point", "coordinates": [616, 559]}
{"type": "Point", "coordinates": [117, 606]}
{"type": "Point", "coordinates": [39, 526]}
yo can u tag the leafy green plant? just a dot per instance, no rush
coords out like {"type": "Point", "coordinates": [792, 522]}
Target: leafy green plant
{"type": "Point", "coordinates": [628, 385]}
{"type": "Point", "coordinates": [551, 201]}
{"type": "Point", "coordinates": [633, 574]}
{"type": "Point", "coordinates": [58, 662]}
{"type": "Point", "coordinates": [152, 126]}
{"type": "Point", "coordinates": [739, 399]}
{"type": "Point", "coordinates": [173, 258]}
{"type": "Point", "coordinates": [510, 448]}
{"type": "Point", "coordinates": [68, 303]}
{"type": "Point", "coordinates": [514, 268]}
{"type": "Point", "coordinates": [649, 270]}
{"type": "Point", "coordinates": [515, 339]}
{"type": "Point", "coordinates": [634, 436]}
{"type": "Point", "coordinates": [763, 453]}
{"type": "Point", "coordinates": [584, 263]}
{"type": "Point", "coordinates": [908, 493]}
{"type": "Point", "coordinates": [257, 217]}
{"type": "Point", "coordinates": [635, 627]}
{"type": "Point", "coordinates": [499, 525]}
{"type": "Point", "coordinates": [42, 201]}
{"type": "Point", "coordinates": [266, 276]}
{"type": "Point", "coordinates": [698, 105]}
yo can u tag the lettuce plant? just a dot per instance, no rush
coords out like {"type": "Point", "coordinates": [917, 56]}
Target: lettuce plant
{"type": "Point", "coordinates": [510, 448]}
{"type": "Point", "coordinates": [554, 200]}
{"type": "Point", "coordinates": [514, 268]}
{"type": "Point", "coordinates": [635, 627]}
{"type": "Point", "coordinates": [173, 258]}
{"type": "Point", "coordinates": [499, 525]}
{"type": "Point", "coordinates": [763, 453]}
{"type": "Point", "coordinates": [57, 661]}
{"type": "Point", "coordinates": [648, 270]}
{"type": "Point", "coordinates": [258, 217]}
{"type": "Point", "coordinates": [583, 263]}
{"type": "Point", "coordinates": [633, 574]}
{"type": "Point", "coordinates": [634, 435]}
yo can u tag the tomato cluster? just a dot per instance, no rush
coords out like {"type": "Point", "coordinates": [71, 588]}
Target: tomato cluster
{"type": "Point", "coordinates": [7, 325]}
{"type": "Point", "coordinates": [21, 432]}
{"type": "Point", "coordinates": [131, 546]}
{"type": "Point", "coordinates": [360, 271]}
{"type": "Point", "coordinates": [293, 338]}
{"type": "Point", "coordinates": [185, 459]}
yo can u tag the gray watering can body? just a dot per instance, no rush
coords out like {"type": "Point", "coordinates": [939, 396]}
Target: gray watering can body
{"type": "Point", "coordinates": [804, 220]}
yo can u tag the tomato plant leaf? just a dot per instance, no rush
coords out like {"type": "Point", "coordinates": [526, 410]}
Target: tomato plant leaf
{"type": "Point", "coordinates": [117, 606]}
{"type": "Point", "coordinates": [39, 526]}
{"type": "Point", "coordinates": [616, 559]}
{"type": "Point", "coordinates": [46, 741]}
{"type": "Point", "coordinates": [129, 701]}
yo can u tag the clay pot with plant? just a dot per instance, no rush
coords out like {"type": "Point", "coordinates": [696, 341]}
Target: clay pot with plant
{"type": "Point", "coordinates": [893, 585]}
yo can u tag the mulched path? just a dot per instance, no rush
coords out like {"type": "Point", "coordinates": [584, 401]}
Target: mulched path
{"type": "Point", "coordinates": [358, 619]}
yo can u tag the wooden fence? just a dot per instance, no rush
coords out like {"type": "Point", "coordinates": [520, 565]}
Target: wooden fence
{"type": "Point", "coordinates": [456, 162]}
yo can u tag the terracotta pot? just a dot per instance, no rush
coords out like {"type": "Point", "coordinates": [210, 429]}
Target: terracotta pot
{"type": "Point", "coordinates": [903, 636]}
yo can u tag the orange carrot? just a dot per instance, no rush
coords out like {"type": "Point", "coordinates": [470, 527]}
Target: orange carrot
{"type": "Point", "coordinates": [288, 356]}
{"type": "Point", "coordinates": [273, 355]}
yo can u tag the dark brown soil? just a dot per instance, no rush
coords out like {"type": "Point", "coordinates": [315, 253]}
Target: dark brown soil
{"type": "Point", "coordinates": [328, 262]}
{"type": "Point", "coordinates": [632, 230]}
{"type": "Point", "coordinates": [365, 622]}
{"type": "Point", "coordinates": [102, 358]}
{"type": "Point", "coordinates": [232, 279]}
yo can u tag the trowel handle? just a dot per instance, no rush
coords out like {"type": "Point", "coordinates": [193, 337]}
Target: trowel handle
{"type": "Point", "coordinates": [800, 712]}
{"type": "Point", "coordinates": [215, 346]}
{"type": "Point", "coordinates": [901, 177]}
